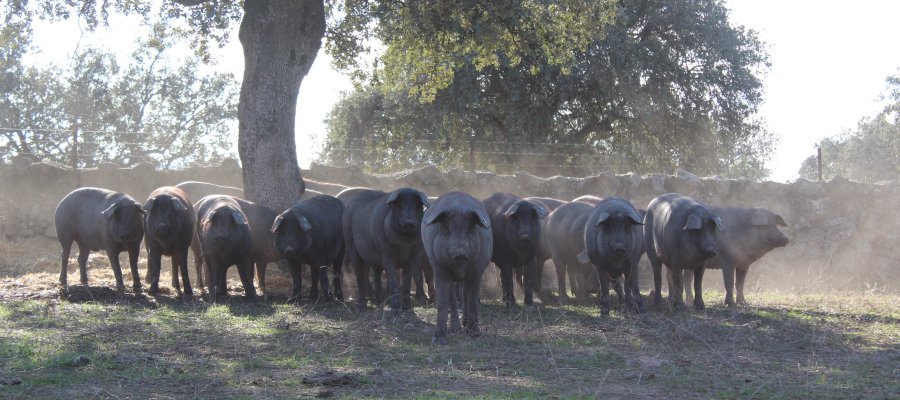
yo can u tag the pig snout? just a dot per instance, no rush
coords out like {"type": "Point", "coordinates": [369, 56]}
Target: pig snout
{"type": "Point", "coordinates": [460, 258]}
{"type": "Point", "coordinates": [781, 241]}
{"type": "Point", "coordinates": [162, 229]}
{"type": "Point", "coordinates": [619, 249]}
{"type": "Point", "coordinates": [709, 251]}
{"type": "Point", "coordinates": [290, 250]}
{"type": "Point", "coordinates": [525, 239]}
{"type": "Point", "coordinates": [220, 238]}
{"type": "Point", "coordinates": [408, 225]}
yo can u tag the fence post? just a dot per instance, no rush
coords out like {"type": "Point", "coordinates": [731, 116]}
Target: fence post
{"type": "Point", "coordinates": [472, 153]}
{"type": "Point", "coordinates": [819, 159]}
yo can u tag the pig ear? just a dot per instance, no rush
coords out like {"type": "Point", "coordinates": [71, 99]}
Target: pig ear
{"type": "Point", "coordinates": [601, 218]}
{"type": "Point", "coordinates": [304, 223]}
{"type": "Point", "coordinates": [277, 223]}
{"type": "Point", "coordinates": [140, 208]}
{"type": "Point", "coordinates": [780, 221]}
{"type": "Point", "coordinates": [693, 222]}
{"type": "Point", "coordinates": [109, 211]}
{"type": "Point", "coordinates": [149, 205]}
{"type": "Point", "coordinates": [424, 199]}
{"type": "Point", "coordinates": [583, 257]}
{"type": "Point", "coordinates": [719, 225]}
{"type": "Point", "coordinates": [511, 210]}
{"type": "Point", "coordinates": [636, 217]}
{"type": "Point", "coordinates": [392, 197]}
{"type": "Point", "coordinates": [433, 217]}
{"type": "Point", "coordinates": [239, 218]}
{"type": "Point", "coordinates": [179, 206]}
{"type": "Point", "coordinates": [759, 218]}
{"type": "Point", "coordinates": [482, 218]}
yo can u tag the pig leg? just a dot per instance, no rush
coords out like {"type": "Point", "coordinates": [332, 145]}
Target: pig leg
{"type": "Point", "coordinates": [677, 289]}
{"type": "Point", "coordinates": [181, 260]}
{"type": "Point", "coordinates": [83, 253]}
{"type": "Point", "coordinates": [377, 287]}
{"type": "Point", "coordinates": [656, 265]}
{"type": "Point", "coordinates": [337, 279]}
{"type": "Point", "coordinates": [313, 282]}
{"type": "Point", "coordinates": [455, 300]}
{"type": "Point", "coordinates": [245, 271]}
{"type": "Point", "coordinates": [409, 270]}
{"type": "Point", "coordinates": [212, 281]}
{"type": "Point", "coordinates": [633, 289]}
{"type": "Point", "coordinates": [529, 272]}
{"type": "Point", "coordinates": [428, 273]}
{"type": "Point", "coordinates": [506, 282]}
{"type": "Point", "coordinates": [418, 280]}
{"type": "Point", "coordinates": [688, 276]}
{"type": "Point", "coordinates": [604, 292]}
{"type": "Point", "coordinates": [470, 309]}
{"type": "Point", "coordinates": [261, 277]}
{"type": "Point", "coordinates": [323, 282]}
{"type": "Point", "coordinates": [117, 269]}
{"type": "Point", "coordinates": [728, 275]}
{"type": "Point", "coordinates": [560, 267]}
{"type": "Point", "coordinates": [444, 299]}
{"type": "Point", "coordinates": [390, 269]}
{"type": "Point", "coordinates": [154, 266]}
{"type": "Point", "coordinates": [198, 267]}
{"type": "Point", "coordinates": [741, 278]}
{"type": "Point", "coordinates": [620, 294]}
{"type": "Point", "coordinates": [133, 253]}
{"type": "Point", "coordinates": [362, 279]}
{"type": "Point", "coordinates": [698, 288]}
{"type": "Point", "coordinates": [64, 268]}
{"type": "Point", "coordinates": [296, 269]}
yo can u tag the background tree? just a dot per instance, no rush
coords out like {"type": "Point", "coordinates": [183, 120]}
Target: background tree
{"type": "Point", "coordinates": [148, 110]}
{"type": "Point", "coordinates": [665, 84]}
{"type": "Point", "coordinates": [281, 39]}
{"type": "Point", "coordinates": [870, 153]}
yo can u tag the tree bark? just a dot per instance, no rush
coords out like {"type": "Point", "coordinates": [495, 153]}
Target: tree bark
{"type": "Point", "coordinates": [280, 39]}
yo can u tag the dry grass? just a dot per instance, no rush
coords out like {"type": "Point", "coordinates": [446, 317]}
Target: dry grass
{"type": "Point", "coordinates": [786, 345]}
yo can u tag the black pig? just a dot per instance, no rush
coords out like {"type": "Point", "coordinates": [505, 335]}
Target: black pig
{"type": "Point", "coordinates": [100, 219]}
{"type": "Point", "coordinates": [168, 230]}
{"type": "Point", "coordinates": [224, 237]}
{"type": "Point", "coordinates": [613, 239]}
{"type": "Point", "coordinates": [516, 230]}
{"type": "Point", "coordinates": [456, 236]}
{"type": "Point", "coordinates": [751, 233]}
{"type": "Point", "coordinates": [381, 230]}
{"type": "Point", "coordinates": [681, 233]}
{"type": "Point", "coordinates": [310, 233]}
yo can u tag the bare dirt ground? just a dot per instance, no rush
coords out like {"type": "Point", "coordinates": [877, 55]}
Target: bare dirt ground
{"type": "Point", "coordinates": [96, 343]}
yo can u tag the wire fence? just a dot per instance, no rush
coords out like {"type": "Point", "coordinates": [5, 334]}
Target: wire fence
{"type": "Point", "coordinates": [74, 148]}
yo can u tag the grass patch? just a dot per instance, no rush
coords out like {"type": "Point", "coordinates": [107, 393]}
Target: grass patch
{"type": "Point", "coordinates": [784, 345]}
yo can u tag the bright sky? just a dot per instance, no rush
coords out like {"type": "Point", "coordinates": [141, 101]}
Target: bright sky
{"type": "Point", "coordinates": [829, 64]}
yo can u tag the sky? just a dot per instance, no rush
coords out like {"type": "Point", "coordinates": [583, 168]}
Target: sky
{"type": "Point", "coordinates": [829, 64]}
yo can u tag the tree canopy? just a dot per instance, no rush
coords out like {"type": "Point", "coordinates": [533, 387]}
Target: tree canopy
{"type": "Point", "coordinates": [654, 85]}
{"type": "Point", "coordinates": [869, 153]}
{"type": "Point", "coordinates": [146, 109]}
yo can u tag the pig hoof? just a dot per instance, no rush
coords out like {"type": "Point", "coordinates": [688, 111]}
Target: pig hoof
{"type": "Point", "coordinates": [187, 296]}
{"type": "Point", "coordinates": [699, 306]}
{"type": "Point", "coordinates": [605, 312]}
{"type": "Point", "coordinates": [438, 340]}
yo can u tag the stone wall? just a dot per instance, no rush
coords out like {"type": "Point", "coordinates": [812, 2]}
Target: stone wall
{"type": "Point", "coordinates": [843, 234]}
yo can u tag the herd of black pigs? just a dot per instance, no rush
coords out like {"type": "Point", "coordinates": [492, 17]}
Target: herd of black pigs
{"type": "Point", "coordinates": [445, 242]}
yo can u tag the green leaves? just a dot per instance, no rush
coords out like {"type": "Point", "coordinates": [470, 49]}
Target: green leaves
{"type": "Point", "coordinates": [640, 85]}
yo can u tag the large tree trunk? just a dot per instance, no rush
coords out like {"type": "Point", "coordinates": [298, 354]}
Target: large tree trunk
{"type": "Point", "coordinates": [280, 40]}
